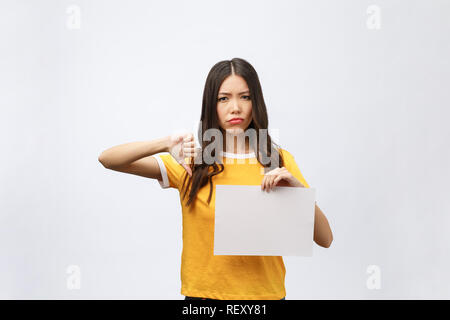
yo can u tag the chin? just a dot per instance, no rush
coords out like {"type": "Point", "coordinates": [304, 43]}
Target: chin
{"type": "Point", "coordinates": [235, 130]}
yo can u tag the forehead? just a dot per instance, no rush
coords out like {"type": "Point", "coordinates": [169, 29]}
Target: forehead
{"type": "Point", "coordinates": [233, 83]}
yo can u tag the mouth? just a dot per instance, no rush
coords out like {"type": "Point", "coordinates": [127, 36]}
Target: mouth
{"type": "Point", "coordinates": [235, 120]}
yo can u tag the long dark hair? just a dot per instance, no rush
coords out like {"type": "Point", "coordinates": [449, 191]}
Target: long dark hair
{"type": "Point", "coordinates": [202, 173]}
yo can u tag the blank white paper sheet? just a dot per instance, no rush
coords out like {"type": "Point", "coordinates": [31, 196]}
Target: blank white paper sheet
{"type": "Point", "coordinates": [249, 221]}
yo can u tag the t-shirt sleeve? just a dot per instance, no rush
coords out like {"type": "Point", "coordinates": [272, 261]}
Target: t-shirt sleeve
{"type": "Point", "coordinates": [172, 173]}
{"type": "Point", "coordinates": [292, 167]}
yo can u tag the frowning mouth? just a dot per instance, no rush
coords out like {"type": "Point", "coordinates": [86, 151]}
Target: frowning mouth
{"type": "Point", "coordinates": [236, 120]}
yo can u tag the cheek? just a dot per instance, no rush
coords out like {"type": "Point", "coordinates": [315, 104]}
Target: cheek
{"type": "Point", "coordinates": [220, 115]}
{"type": "Point", "coordinates": [249, 111]}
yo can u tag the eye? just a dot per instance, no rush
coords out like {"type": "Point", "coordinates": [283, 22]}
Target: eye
{"type": "Point", "coordinates": [220, 99]}
{"type": "Point", "coordinates": [247, 97]}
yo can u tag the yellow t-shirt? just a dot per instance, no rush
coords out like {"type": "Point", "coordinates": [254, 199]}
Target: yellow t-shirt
{"type": "Point", "coordinates": [224, 277]}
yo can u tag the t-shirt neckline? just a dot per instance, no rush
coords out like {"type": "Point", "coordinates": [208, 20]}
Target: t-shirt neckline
{"type": "Point", "coordinates": [237, 155]}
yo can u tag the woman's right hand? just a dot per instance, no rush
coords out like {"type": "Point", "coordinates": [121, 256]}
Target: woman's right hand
{"type": "Point", "coordinates": [181, 146]}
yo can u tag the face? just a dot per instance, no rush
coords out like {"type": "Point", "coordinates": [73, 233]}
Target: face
{"type": "Point", "coordinates": [233, 101]}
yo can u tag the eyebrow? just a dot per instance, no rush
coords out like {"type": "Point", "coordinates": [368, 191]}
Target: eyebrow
{"type": "Point", "coordinates": [227, 93]}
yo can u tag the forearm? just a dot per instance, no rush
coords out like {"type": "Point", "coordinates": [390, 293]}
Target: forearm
{"type": "Point", "coordinates": [127, 153]}
{"type": "Point", "coordinates": [322, 231]}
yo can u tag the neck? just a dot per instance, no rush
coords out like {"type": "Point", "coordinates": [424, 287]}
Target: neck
{"type": "Point", "coordinates": [236, 144]}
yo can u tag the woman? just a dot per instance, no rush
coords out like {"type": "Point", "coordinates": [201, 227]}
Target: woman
{"type": "Point", "coordinates": [233, 104]}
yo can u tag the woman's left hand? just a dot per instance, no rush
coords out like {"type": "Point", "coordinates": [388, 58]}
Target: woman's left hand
{"type": "Point", "coordinates": [279, 177]}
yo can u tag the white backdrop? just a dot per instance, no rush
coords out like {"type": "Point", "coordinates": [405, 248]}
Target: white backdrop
{"type": "Point", "coordinates": [357, 89]}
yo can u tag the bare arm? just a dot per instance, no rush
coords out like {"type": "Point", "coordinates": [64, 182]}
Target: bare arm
{"type": "Point", "coordinates": [136, 157]}
{"type": "Point", "coordinates": [322, 231]}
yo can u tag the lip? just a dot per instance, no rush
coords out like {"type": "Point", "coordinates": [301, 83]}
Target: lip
{"type": "Point", "coordinates": [236, 120]}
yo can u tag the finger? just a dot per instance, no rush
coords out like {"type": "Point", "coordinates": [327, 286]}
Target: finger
{"type": "Point", "coordinates": [265, 181]}
{"type": "Point", "coordinates": [189, 151]}
{"type": "Point", "coordinates": [276, 180]}
{"type": "Point", "coordinates": [176, 137]}
{"type": "Point", "coordinates": [176, 141]}
{"type": "Point", "coordinates": [188, 137]}
{"type": "Point", "coordinates": [272, 182]}
{"type": "Point", "coordinates": [269, 182]}
{"type": "Point", "coordinates": [189, 144]}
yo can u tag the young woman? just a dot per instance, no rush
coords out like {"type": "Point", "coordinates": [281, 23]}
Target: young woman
{"type": "Point", "coordinates": [232, 104]}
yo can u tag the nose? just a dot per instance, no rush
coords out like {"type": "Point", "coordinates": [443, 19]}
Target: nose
{"type": "Point", "coordinates": [235, 108]}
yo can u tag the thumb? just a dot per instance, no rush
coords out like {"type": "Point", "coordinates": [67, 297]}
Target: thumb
{"type": "Point", "coordinates": [187, 168]}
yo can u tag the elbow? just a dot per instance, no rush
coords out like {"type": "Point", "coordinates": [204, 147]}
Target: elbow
{"type": "Point", "coordinates": [326, 243]}
{"type": "Point", "coordinates": [103, 161]}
